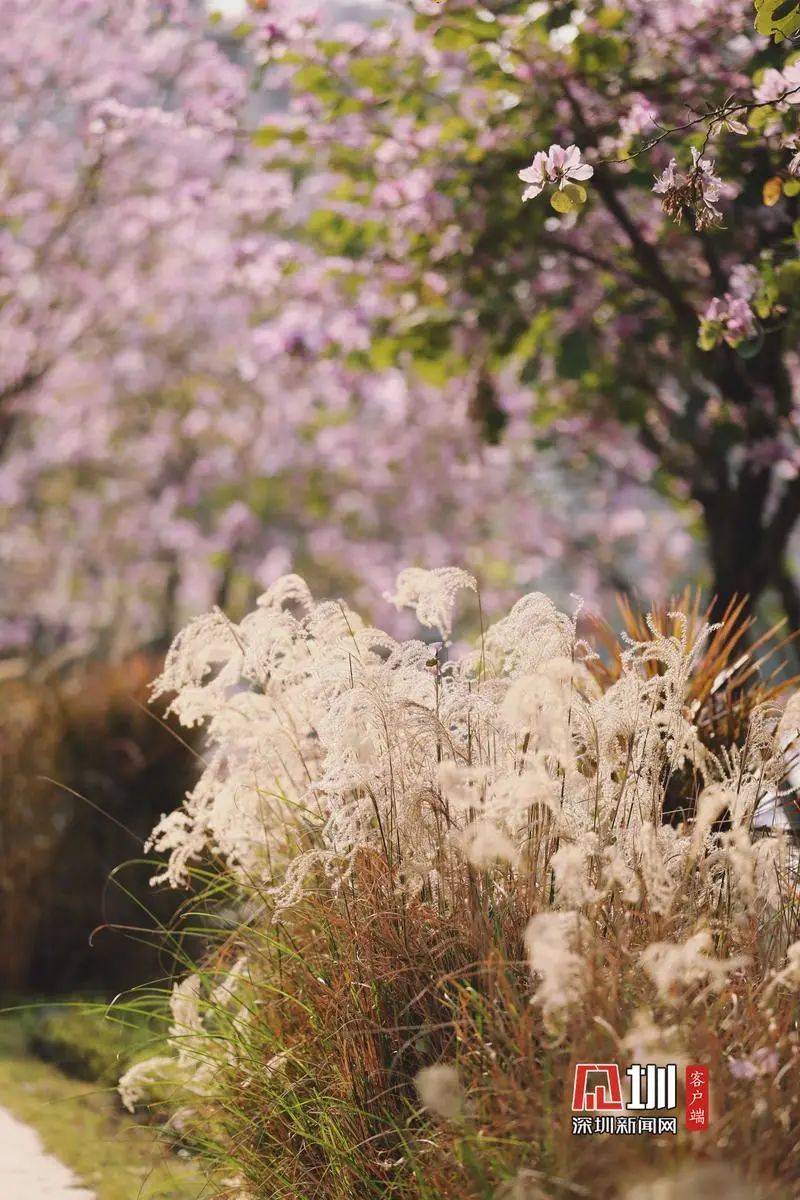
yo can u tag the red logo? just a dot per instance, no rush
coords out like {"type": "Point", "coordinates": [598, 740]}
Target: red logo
{"type": "Point", "coordinates": [604, 1095]}
{"type": "Point", "coordinates": [696, 1097]}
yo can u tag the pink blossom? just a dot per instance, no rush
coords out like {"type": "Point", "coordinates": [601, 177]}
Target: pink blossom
{"type": "Point", "coordinates": [640, 117]}
{"type": "Point", "coordinates": [781, 88]}
{"type": "Point", "coordinates": [559, 166]}
{"type": "Point", "coordinates": [537, 175]}
{"type": "Point", "coordinates": [729, 317]}
{"type": "Point", "coordinates": [744, 281]}
{"type": "Point", "coordinates": [667, 179]}
{"type": "Point", "coordinates": [698, 190]}
{"type": "Point", "coordinates": [707, 179]}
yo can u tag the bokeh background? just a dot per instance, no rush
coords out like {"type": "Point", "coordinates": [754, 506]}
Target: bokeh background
{"type": "Point", "coordinates": [270, 301]}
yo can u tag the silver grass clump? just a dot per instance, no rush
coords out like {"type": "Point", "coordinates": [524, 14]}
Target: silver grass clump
{"type": "Point", "coordinates": [676, 966]}
{"type": "Point", "coordinates": [327, 739]}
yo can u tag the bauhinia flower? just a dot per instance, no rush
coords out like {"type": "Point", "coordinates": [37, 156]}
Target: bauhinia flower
{"type": "Point", "coordinates": [696, 191]}
{"type": "Point", "coordinates": [729, 318]}
{"type": "Point", "coordinates": [781, 88]}
{"type": "Point", "coordinates": [559, 166]}
{"type": "Point", "coordinates": [667, 180]}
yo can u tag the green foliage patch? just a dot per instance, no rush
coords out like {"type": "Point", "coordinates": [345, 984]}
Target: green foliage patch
{"type": "Point", "coordinates": [83, 1043]}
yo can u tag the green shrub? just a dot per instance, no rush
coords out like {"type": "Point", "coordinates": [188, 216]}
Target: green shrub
{"type": "Point", "coordinates": [84, 1042]}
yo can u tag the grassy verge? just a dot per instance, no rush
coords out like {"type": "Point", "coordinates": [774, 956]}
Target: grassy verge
{"type": "Point", "coordinates": [82, 1124]}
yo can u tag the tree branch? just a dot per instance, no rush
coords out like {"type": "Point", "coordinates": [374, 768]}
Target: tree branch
{"type": "Point", "coordinates": [18, 388]}
{"type": "Point", "coordinates": [643, 251]}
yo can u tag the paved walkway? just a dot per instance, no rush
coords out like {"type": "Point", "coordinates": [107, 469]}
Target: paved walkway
{"type": "Point", "coordinates": [27, 1172]}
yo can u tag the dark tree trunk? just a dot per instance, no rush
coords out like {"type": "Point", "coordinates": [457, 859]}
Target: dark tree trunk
{"type": "Point", "coordinates": [747, 548]}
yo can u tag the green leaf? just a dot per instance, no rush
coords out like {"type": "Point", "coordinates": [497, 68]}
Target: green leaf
{"type": "Point", "coordinates": [369, 73]}
{"type": "Point", "coordinates": [788, 281]}
{"type": "Point", "coordinates": [791, 187]}
{"type": "Point", "coordinates": [708, 336]}
{"type": "Point", "coordinates": [266, 135]}
{"type": "Point", "coordinates": [611, 18]}
{"type": "Point", "coordinates": [778, 18]}
{"type": "Point", "coordinates": [772, 191]}
{"type": "Point", "coordinates": [561, 202]}
{"type": "Point", "coordinates": [760, 117]}
{"type": "Point", "coordinates": [449, 37]}
{"type": "Point", "coordinates": [576, 194]}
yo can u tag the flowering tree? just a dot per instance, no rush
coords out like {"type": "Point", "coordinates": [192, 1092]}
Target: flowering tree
{"type": "Point", "coordinates": [194, 388]}
{"type": "Point", "coordinates": [640, 275]}
{"type": "Point", "coordinates": [348, 334]}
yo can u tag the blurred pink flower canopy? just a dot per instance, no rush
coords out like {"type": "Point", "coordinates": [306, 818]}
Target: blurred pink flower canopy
{"type": "Point", "coordinates": [200, 387]}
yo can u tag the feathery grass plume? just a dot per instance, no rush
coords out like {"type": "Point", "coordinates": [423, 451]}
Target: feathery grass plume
{"type": "Point", "coordinates": [469, 859]}
{"type": "Point", "coordinates": [482, 844]}
{"type": "Point", "coordinates": [552, 940]}
{"type": "Point", "coordinates": [675, 967]}
{"type": "Point", "coordinates": [432, 595]}
{"type": "Point", "coordinates": [735, 674]}
{"type": "Point", "coordinates": [439, 1089]}
{"type": "Point", "coordinates": [571, 867]}
{"type": "Point", "coordinates": [138, 1081]}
